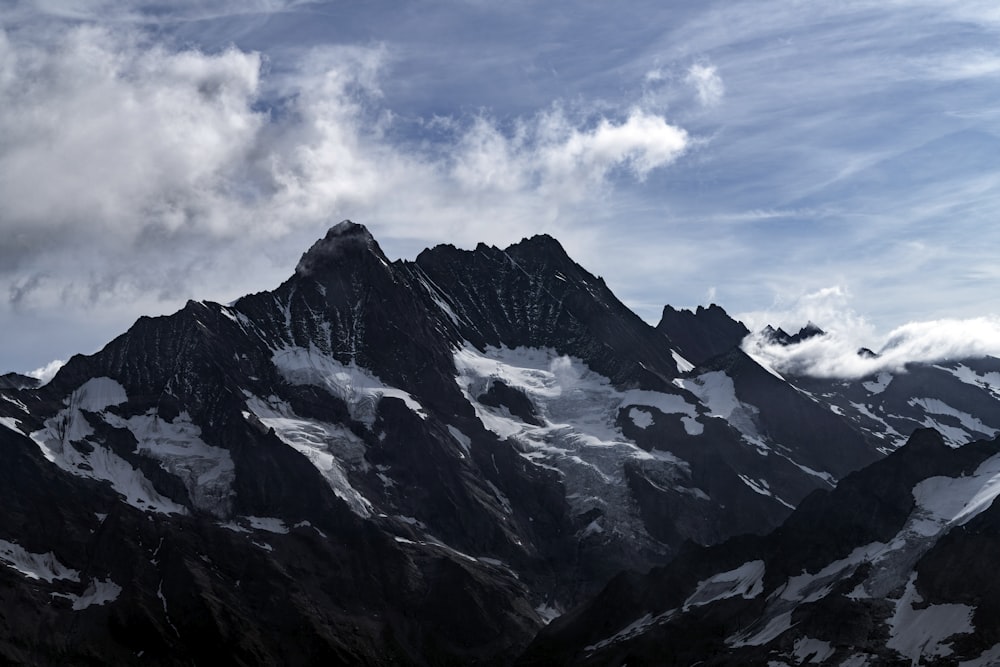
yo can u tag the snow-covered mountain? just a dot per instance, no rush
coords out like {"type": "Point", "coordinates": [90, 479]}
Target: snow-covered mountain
{"type": "Point", "coordinates": [408, 462]}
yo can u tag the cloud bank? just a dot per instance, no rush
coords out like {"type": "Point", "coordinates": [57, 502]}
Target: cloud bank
{"type": "Point", "coordinates": [835, 354]}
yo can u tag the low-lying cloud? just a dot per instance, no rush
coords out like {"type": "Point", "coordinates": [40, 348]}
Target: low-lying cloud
{"type": "Point", "coordinates": [836, 353]}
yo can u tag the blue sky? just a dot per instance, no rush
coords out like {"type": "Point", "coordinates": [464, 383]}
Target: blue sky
{"type": "Point", "coordinates": [788, 160]}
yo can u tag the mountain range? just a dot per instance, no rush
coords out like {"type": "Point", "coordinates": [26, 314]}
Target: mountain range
{"type": "Point", "coordinates": [484, 457]}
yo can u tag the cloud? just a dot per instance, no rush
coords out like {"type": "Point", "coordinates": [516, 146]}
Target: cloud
{"type": "Point", "coordinates": [48, 371]}
{"type": "Point", "coordinates": [128, 168]}
{"type": "Point", "coordinates": [551, 154]}
{"type": "Point", "coordinates": [835, 354]}
{"type": "Point", "coordinates": [707, 83]}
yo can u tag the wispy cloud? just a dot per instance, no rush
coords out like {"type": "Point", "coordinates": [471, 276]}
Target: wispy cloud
{"type": "Point", "coordinates": [707, 83]}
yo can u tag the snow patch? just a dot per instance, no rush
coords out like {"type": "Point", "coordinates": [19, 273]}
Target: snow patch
{"type": "Point", "coordinates": [635, 628]}
{"type": "Point", "coordinates": [21, 406]}
{"type": "Point", "coordinates": [718, 393]}
{"type": "Point", "coordinates": [462, 439]}
{"type": "Point", "coordinates": [987, 658]}
{"type": "Point", "coordinates": [548, 613]}
{"type": "Point", "coordinates": [579, 436]}
{"type": "Point", "coordinates": [329, 447]}
{"type": "Point", "coordinates": [11, 423]}
{"type": "Point", "coordinates": [70, 425]}
{"type": "Point", "coordinates": [207, 472]}
{"type": "Point", "coordinates": [269, 524]}
{"type": "Point", "coordinates": [919, 633]}
{"type": "Point", "coordinates": [692, 426]}
{"type": "Point", "coordinates": [774, 628]}
{"type": "Point", "coordinates": [35, 566]}
{"type": "Point", "coordinates": [683, 365]}
{"type": "Point", "coordinates": [815, 650]}
{"type": "Point", "coordinates": [879, 384]}
{"type": "Point", "coordinates": [806, 587]}
{"type": "Point", "coordinates": [357, 387]}
{"type": "Point", "coordinates": [100, 592]}
{"type": "Point", "coordinates": [945, 501]}
{"type": "Point", "coordinates": [938, 407]}
{"type": "Point", "coordinates": [640, 418]}
{"type": "Point", "coordinates": [746, 581]}
{"type": "Point", "coordinates": [988, 381]}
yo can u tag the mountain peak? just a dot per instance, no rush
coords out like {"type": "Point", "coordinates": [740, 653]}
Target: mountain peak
{"type": "Point", "coordinates": [702, 334]}
{"type": "Point", "coordinates": [539, 245]}
{"type": "Point", "coordinates": [782, 337]}
{"type": "Point", "coordinates": [344, 240]}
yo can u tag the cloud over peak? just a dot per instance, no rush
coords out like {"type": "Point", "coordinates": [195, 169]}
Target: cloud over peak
{"type": "Point", "coordinates": [836, 353]}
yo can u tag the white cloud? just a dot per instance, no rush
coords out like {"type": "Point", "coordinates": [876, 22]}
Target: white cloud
{"type": "Point", "coordinates": [48, 371]}
{"type": "Point", "coordinates": [133, 164]}
{"type": "Point", "coordinates": [707, 83]}
{"type": "Point", "coordinates": [835, 354]}
{"type": "Point", "coordinates": [107, 131]}
{"type": "Point", "coordinates": [963, 65]}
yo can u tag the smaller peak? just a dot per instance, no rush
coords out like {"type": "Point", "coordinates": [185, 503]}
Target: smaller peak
{"type": "Point", "coordinates": [344, 240]}
{"type": "Point", "coordinates": [18, 381]}
{"type": "Point", "coordinates": [810, 329]}
{"type": "Point", "coordinates": [782, 337]}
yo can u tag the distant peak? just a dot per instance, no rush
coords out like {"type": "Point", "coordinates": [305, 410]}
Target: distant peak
{"type": "Point", "coordinates": [782, 337]}
{"type": "Point", "coordinates": [343, 241]}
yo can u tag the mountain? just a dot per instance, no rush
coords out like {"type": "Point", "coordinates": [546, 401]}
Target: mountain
{"type": "Point", "coordinates": [891, 567]}
{"type": "Point", "coordinates": [17, 381]}
{"type": "Point", "coordinates": [407, 462]}
{"type": "Point", "coordinates": [700, 335]}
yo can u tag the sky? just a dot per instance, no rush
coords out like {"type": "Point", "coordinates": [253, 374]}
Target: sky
{"type": "Point", "coordinates": [829, 161]}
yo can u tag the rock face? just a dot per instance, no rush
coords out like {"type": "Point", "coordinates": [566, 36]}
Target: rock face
{"type": "Point", "coordinates": [389, 462]}
{"type": "Point", "coordinates": [700, 335]}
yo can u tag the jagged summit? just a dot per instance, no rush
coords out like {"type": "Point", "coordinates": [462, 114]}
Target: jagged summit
{"type": "Point", "coordinates": [538, 247]}
{"type": "Point", "coordinates": [702, 334]}
{"type": "Point", "coordinates": [539, 244]}
{"type": "Point", "coordinates": [343, 240]}
{"type": "Point", "coordinates": [782, 337]}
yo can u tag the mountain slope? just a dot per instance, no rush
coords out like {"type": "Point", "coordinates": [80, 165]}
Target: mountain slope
{"type": "Point", "coordinates": [873, 572]}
